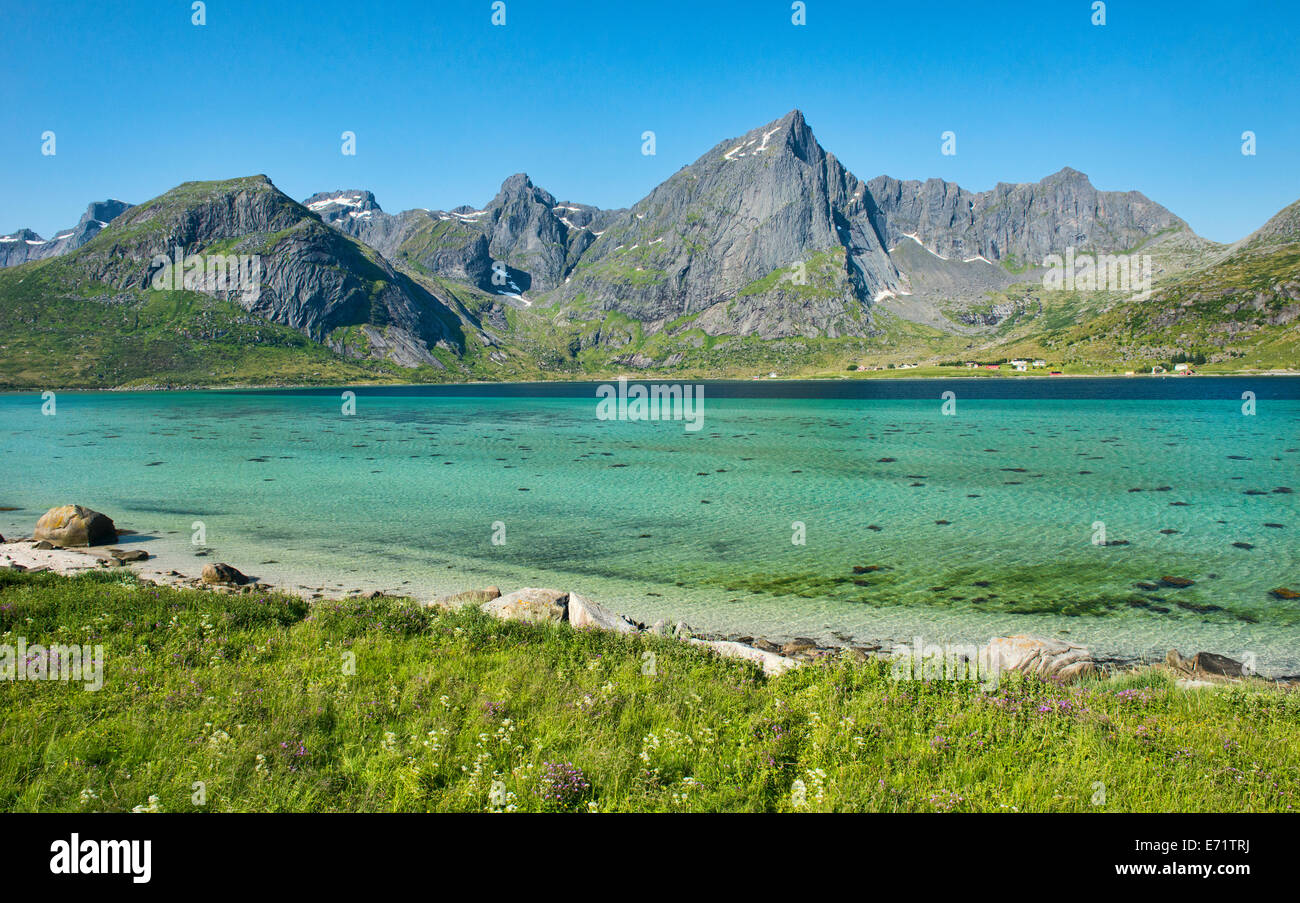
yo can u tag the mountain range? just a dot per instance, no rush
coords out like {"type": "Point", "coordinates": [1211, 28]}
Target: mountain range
{"type": "Point", "coordinates": [764, 254]}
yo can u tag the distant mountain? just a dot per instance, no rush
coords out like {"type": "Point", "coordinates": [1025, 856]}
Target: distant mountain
{"type": "Point", "coordinates": [1250, 291]}
{"type": "Point", "coordinates": [309, 277]}
{"type": "Point", "coordinates": [1282, 229]}
{"type": "Point", "coordinates": [535, 238]}
{"type": "Point", "coordinates": [764, 253]}
{"type": "Point", "coordinates": [766, 234]}
{"type": "Point", "coordinates": [1018, 223]}
{"type": "Point", "coordinates": [24, 245]}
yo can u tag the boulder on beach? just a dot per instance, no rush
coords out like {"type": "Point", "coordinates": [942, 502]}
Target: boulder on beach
{"type": "Point", "coordinates": [771, 663]}
{"type": "Point", "coordinates": [129, 554]}
{"type": "Point", "coordinates": [1206, 664]}
{"type": "Point", "coordinates": [223, 574]}
{"type": "Point", "coordinates": [74, 525]}
{"type": "Point", "coordinates": [529, 604]}
{"type": "Point", "coordinates": [1041, 656]}
{"type": "Point", "coordinates": [469, 597]}
{"type": "Point", "coordinates": [585, 613]}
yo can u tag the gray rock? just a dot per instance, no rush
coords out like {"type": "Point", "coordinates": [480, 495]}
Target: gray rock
{"type": "Point", "coordinates": [1023, 222]}
{"type": "Point", "coordinates": [583, 613]}
{"type": "Point", "coordinates": [771, 663]}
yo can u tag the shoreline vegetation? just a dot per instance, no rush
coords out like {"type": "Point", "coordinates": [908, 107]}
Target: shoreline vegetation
{"type": "Point", "coordinates": [220, 693]}
{"type": "Point", "coordinates": [248, 699]}
{"type": "Point", "coordinates": [929, 374]}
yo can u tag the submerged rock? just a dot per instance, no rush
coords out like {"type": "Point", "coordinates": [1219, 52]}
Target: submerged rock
{"type": "Point", "coordinates": [74, 525]}
{"type": "Point", "coordinates": [1176, 582]}
{"type": "Point", "coordinates": [529, 604]}
{"type": "Point", "coordinates": [1283, 592]}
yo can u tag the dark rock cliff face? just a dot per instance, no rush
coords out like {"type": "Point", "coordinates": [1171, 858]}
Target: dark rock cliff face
{"type": "Point", "coordinates": [1024, 222]}
{"type": "Point", "coordinates": [25, 245]}
{"type": "Point", "coordinates": [307, 275]}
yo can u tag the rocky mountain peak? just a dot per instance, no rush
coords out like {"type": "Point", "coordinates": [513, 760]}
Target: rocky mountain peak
{"type": "Point", "coordinates": [332, 205]}
{"type": "Point", "coordinates": [104, 212]}
{"type": "Point", "coordinates": [519, 188]}
{"type": "Point", "coordinates": [25, 245]}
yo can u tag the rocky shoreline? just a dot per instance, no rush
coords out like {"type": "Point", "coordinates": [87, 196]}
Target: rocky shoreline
{"type": "Point", "coordinates": [73, 539]}
{"type": "Point", "coordinates": [958, 373]}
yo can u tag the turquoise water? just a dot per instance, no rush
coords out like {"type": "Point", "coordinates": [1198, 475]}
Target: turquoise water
{"type": "Point", "coordinates": [658, 521]}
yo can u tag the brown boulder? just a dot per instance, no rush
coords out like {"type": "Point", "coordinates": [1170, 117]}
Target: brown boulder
{"type": "Point", "coordinates": [1205, 664]}
{"type": "Point", "coordinates": [529, 604]}
{"type": "Point", "coordinates": [222, 573]}
{"type": "Point", "coordinates": [1217, 665]}
{"type": "Point", "coordinates": [73, 525]}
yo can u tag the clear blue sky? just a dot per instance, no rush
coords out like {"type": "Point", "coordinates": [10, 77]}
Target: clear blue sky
{"type": "Point", "coordinates": [445, 105]}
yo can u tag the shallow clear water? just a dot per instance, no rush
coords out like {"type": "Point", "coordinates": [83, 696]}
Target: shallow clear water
{"type": "Point", "coordinates": [405, 495]}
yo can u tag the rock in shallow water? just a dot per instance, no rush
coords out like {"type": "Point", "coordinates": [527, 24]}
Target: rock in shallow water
{"type": "Point", "coordinates": [75, 525]}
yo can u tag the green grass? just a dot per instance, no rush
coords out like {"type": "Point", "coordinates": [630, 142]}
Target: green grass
{"type": "Point", "coordinates": [253, 696]}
